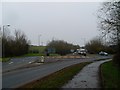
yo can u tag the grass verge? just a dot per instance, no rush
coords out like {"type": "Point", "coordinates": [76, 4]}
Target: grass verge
{"type": "Point", "coordinates": [110, 75]}
{"type": "Point", "coordinates": [101, 59]}
{"type": "Point", "coordinates": [39, 48]}
{"type": "Point", "coordinates": [32, 54]}
{"type": "Point", "coordinates": [57, 79]}
{"type": "Point", "coordinates": [38, 54]}
{"type": "Point", "coordinates": [4, 59]}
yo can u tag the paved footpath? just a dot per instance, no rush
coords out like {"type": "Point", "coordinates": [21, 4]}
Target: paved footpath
{"type": "Point", "coordinates": [87, 78]}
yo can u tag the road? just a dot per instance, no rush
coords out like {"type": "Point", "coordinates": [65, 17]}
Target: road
{"type": "Point", "coordinates": [20, 77]}
{"type": "Point", "coordinates": [18, 62]}
{"type": "Point", "coordinates": [15, 63]}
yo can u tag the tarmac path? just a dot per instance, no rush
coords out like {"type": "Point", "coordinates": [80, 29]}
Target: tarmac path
{"type": "Point", "coordinates": [88, 77]}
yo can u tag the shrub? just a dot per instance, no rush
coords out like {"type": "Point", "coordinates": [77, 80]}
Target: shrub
{"type": "Point", "coordinates": [116, 59]}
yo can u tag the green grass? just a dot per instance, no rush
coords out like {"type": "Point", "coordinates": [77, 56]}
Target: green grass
{"type": "Point", "coordinates": [57, 79]}
{"type": "Point", "coordinates": [110, 75]}
{"type": "Point", "coordinates": [33, 54]}
{"type": "Point", "coordinates": [4, 59]}
{"type": "Point", "coordinates": [54, 55]}
{"type": "Point", "coordinates": [39, 48]}
{"type": "Point", "coordinates": [101, 59]}
{"type": "Point", "coordinates": [38, 54]}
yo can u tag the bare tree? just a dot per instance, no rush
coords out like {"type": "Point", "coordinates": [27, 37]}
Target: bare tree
{"type": "Point", "coordinates": [62, 47]}
{"type": "Point", "coordinates": [95, 45]}
{"type": "Point", "coordinates": [110, 21]}
{"type": "Point", "coordinates": [15, 45]}
{"type": "Point", "coordinates": [110, 24]}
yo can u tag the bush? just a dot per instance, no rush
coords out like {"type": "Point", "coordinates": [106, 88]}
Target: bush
{"type": "Point", "coordinates": [61, 47]}
{"type": "Point", "coordinates": [34, 51]}
{"type": "Point", "coordinates": [116, 59]}
{"type": "Point", "coordinates": [94, 46]}
{"type": "Point", "coordinates": [15, 45]}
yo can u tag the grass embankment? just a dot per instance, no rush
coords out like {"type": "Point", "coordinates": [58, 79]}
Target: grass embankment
{"type": "Point", "coordinates": [38, 54]}
{"type": "Point", "coordinates": [39, 48]}
{"type": "Point", "coordinates": [57, 79]}
{"type": "Point", "coordinates": [110, 75]}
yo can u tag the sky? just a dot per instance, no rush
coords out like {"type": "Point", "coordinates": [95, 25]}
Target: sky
{"type": "Point", "coordinates": [74, 22]}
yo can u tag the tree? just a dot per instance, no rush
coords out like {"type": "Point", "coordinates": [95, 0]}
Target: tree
{"type": "Point", "coordinates": [110, 24]}
{"type": "Point", "coordinates": [110, 21]}
{"type": "Point", "coordinates": [15, 45]}
{"type": "Point", "coordinates": [0, 43]}
{"type": "Point", "coordinates": [95, 45]}
{"type": "Point", "coordinates": [62, 47]}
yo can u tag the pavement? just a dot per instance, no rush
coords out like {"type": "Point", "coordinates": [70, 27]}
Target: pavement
{"type": "Point", "coordinates": [88, 77]}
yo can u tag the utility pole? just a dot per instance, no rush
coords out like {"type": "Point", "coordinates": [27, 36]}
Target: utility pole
{"type": "Point", "coordinates": [41, 43]}
{"type": "Point", "coordinates": [83, 40]}
{"type": "Point", "coordinates": [39, 39]}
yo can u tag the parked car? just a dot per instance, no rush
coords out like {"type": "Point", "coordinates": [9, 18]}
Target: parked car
{"type": "Point", "coordinates": [103, 53]}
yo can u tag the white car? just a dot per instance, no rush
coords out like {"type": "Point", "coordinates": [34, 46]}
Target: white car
{"type": "Point", "coordinates": [103, 53]}
{"type": "Point", "coordinates": [81, 51]}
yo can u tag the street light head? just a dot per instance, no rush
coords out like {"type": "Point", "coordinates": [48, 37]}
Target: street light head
{"type": "Point", "coordinates": [8, 25]}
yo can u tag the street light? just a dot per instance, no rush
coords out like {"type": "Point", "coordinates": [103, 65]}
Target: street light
{"type": "Point", "coordinates": [3, 49]}
{"type": "Point", "coordinates": [39, 39]}
{"type": "Point", "coordinates": [4, 28]}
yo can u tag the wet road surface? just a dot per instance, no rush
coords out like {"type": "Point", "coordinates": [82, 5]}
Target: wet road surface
{"type": "Point", "coordinates": [22, 76]}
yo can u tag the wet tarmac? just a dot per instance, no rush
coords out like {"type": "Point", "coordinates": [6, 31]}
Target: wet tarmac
{"type": "Point", "coordinates": [88, 77]}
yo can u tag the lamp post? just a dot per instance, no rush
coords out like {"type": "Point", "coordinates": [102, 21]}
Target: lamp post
{"type": "Point", "coordinates": [39, 41]}
{"type": "Point", "coordinates": [3, 47]}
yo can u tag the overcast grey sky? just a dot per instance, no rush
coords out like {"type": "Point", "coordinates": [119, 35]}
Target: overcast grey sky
{"type": "Point", "coordinates": [75, 22]}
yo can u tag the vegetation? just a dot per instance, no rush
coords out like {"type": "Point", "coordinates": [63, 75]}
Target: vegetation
{"type": "Point", "coordinates": [57, 79]}
{"type": "Point", "coordinates": [37, 49]}
{"type": "Point", "coordinates": [110, 75]}
{"type": "Point", "coordinates": [32, 48]}
{"type": "Point", "coordinates": [38, 54]}
{"type": "Point", "coordinates": [14, 45]}
{"type": "Point", "coordinates": [110, 24]}
{"type": "Point", "coordinates": [116, 59]}
{"type": "Point", "coordinates": [4, 59]}
{"type": "Point", "coordinates": [61, 47]}
{"type": "Point", "coordinates": [96, 45]}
